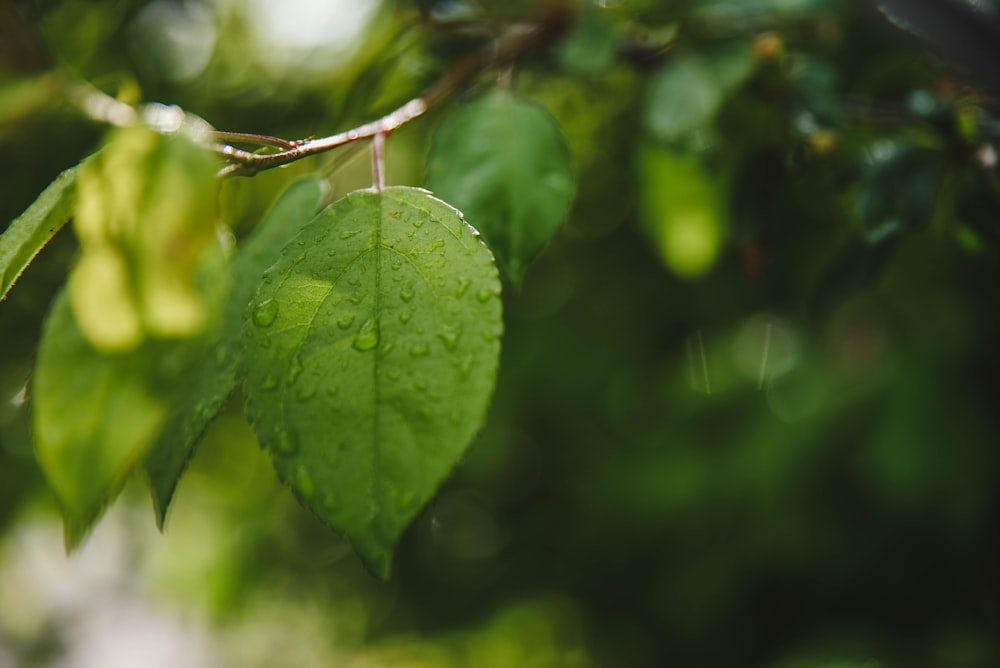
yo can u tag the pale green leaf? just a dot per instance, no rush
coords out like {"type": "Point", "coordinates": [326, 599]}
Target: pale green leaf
{"type": "Point", "coordinates": [503, 162]}
{"type": "Point", "coordinates": [145, 210]}
{"type": "Point", "coordinates": [21, 241]}
{"type": "Point", "coordinates": [371, 353]}
{"type": "Point", "coordinates": [213, 382]}
{"type": "Point", "coordinates": [95, 416]}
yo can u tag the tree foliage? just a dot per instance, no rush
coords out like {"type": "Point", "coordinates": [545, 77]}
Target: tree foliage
{"type": "Point", "coordinates": [741, 257]}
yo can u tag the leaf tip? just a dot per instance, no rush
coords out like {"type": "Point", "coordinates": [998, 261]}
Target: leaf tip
{"type": "Point", "coordinates": [160, 506]}
{"type": "Point", "coordinates": [377, 561]}
{"type": "Point", "coordinates": [74, 533]}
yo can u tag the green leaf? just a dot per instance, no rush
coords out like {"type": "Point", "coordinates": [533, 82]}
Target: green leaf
{"type": "Point", "coordinates": [688, 92]}
{"type": "Point", "coordinates": [680, 207]}
{"type": "Point", "coordinates": [145, 211]}
{"type": "Point", "coordinates": [732, 12]}
{"type": "Point", "coordinates": [591, 47]}
{"type": "Point", "coordinates": [371, 353]}
{"type": "Point", "coordinates": [213, 382]}
{"type": "Point", "coordinates": [503, 162]}
{"type": "Point", "coordinates": [21, 241]}
{"type": "Point", "coordinates": [95, 416]}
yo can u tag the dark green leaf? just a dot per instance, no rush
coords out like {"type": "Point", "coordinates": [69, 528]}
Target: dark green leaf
{"type": "Point", "coordinates": [503, 162]}
{"type": "Point", "coordinates": [32, 229]}
{"type": "Point", "coordinates": [371, 353]}
{"type": "Point", "coordinates": [214, 381]}
{"type": "Point", "coordinates": [900, 188]}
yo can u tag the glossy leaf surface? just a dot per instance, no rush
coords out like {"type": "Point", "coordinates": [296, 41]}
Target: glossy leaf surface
{"type": "Point", "coordinates": [503, 162]}
{"type": "Point", "coordinates": [371, 353]}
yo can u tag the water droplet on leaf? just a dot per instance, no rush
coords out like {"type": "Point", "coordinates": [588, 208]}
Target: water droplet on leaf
{"type": "Point", "coordinates": [285, 442]}
{"type": "Point", "coordinates": [304, 481]}
{"type": "Point", "coordinates": [367, 337]}
{"type": "Point", "coordinates": [419, 350]}
{"type": "Point", "coordinates": [345, 321]}
{"type": "Point", "coordinates": [202, 410]}
{"type": "Point", "coordinates": [295, 369]}
{"type": "Point", "coordinates": [265, 313]}
{"type": "Point", "coordinates": [407, 293]}
{"type": "Point", "coordinates": [449, 337]}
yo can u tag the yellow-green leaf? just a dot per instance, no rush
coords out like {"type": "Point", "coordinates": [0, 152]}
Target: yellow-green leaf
{"type": "Point", "coordinates": [682, 211]}
{"type": "Point", "coordinates": [145, 219]}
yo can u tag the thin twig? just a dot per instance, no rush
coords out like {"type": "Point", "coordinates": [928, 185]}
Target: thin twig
{"type": "Point", "coordinates": [221, 136]}
{"type": "Point", "coordinates": [378, 162]}
{"type": "Point", "coordinates": [512, 45]}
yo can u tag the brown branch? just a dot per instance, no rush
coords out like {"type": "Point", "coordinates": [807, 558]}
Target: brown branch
{"type": "Point", "coordinates": [515, 43]}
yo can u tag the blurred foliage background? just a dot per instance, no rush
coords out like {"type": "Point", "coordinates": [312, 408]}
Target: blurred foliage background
{"type": "Point", "coordinates": [746, 411]}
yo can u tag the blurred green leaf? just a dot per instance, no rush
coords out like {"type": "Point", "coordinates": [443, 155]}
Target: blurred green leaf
{"type": "Point", "coordinates": [29, 232]}
{"type": "Point", "coordinates": [145, 218]}
{"type": "Point", "coordinates": [690, 89]}
{"type": "Point", "coordinates": [26, 98]}
{"type": "Point", "coordinates": [95, 417]}
{"type": "Point", "coordinates": [503, 162]}
{"type": "Point", "coordinates": [899, 189]}
{"type": "Point", "coordinates": [591, 47]}
{"type": "Point", "coordinates": [746, 10]}
{"type": "Point", "coordinates": [371, 352]}
{"type": "Point", "coordinates": [681, 209]}
{"type": "Point", "coordinates": [214, 381]}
